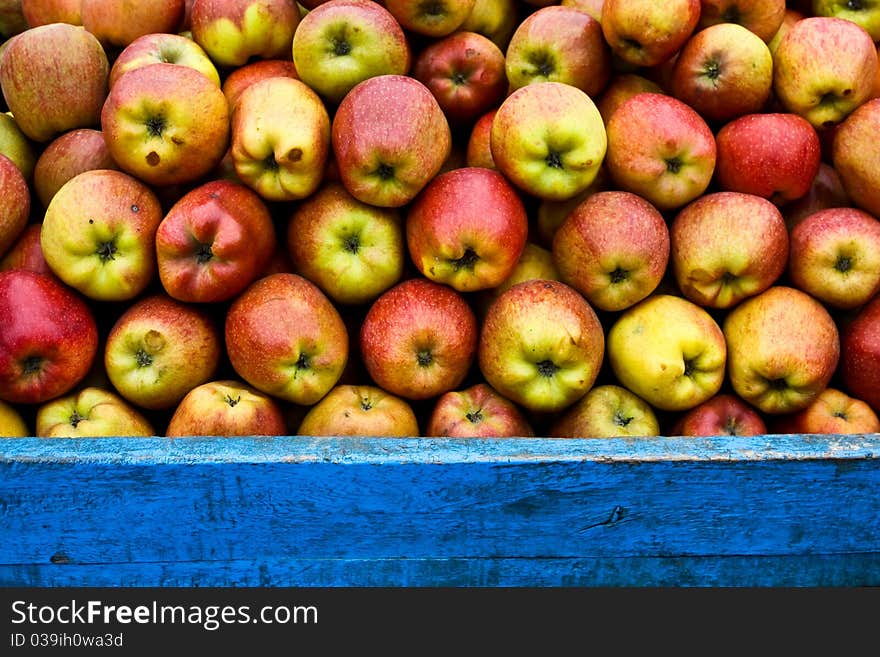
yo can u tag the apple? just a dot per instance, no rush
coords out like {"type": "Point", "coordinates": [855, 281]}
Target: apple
{"type": "Point", "coordinates": [359, 410]}
{"type": "Point", "coordinates": [70, 153]}
{"type": "Point", "coordinates": [607, 411]}
{"type": "Point", "coordinates": [823, 69]}
{"type": "Point", "coordinates": [418, 339]}
{"type": "Point", "coordinates": [774, 155]}
{"type": "Point", "coordinates": [159, 349]}
{"type": "Point", "coordinates": [646, 33]}
{"type": "Point", "coordinates": [43, 12]}
{"type": "Point", "coordinates": [592, 7]}
{"type": "Point", "coordinates": [466, 73]}
{"type": "Point", "coordinates": [495, 19]}
{"type": "Point", "coordinates": [548, 138]}
{"type": "Point", "coordinates": [343, 42]}
{"type": "Point", "coordinates": [15, 203]}
{"type": "Point", "coordinates": [26, 252]}
{"type": "Point", "coordinates": [166, 124]}
{"type": "Point", "coordinates": [534, 262]}
{"type": "Point", "coordinates": [467, 228]}
{"type": "Point", "coordinates": [226, 407]}
{"type": "Point", "coordinates": [661, 149]}
{"type": "Point", "coordinates": [163, 47]}
{"type": "Point", "coordinates": [233, 32]}
{"type": "Point", "coordinates": [12, 19]}
{"type": "Point", "coordinates": [477, 411]}
{"type": "Point", "coordinates": [723, 71]}
{"type": "Point", "coordinates": [433, 19]}
{"type": "Point", "coordinates": [761, 17]}
{"type": "Point", "coordinates": [541, 345]}
{"type": "Point", "coordinates": [613, 248]}
{"type": "Point", "coordinates": [791, 17]}
{"type": "Point", "coordinates": [855, 156]}
{"type": "Point", "coordinates": [550, 214]}
{"type": "Point", "coordinates": [213, 242]}
{"type": "Point", "coordinates": [91, 412]}
{"type": "Point", "coordinates": [826, 191]}
{"type": "Point", "coordinates": [622, 87]}
{"type": "Point", "coordinates": [116, 23]}
{"type": "Point", "coordinates": [389, 138]}
{"type": "Point", "coordinates": [15, 145]}
{"type": "Point", "coordinates": [726, 247]}
{"type": "Point", "coordinates": [835, 257]}
{"type": "Point", "coordinates": [280, 139]}
{"type": "Point", "coordinates": [724, 414]}
{"type": "Point", "coordinates": [831, 412]}
{"type": "Point", "coordinates": [54, 78]}
{"type": "Point", "coordinates": [669, 351]}
{"type": "Point", "coordinates": [12, 423]}
{"type": "Point", "coordinates": [286, 338]}
{"type": "Point", "coordinates": [49, 337]}
{"type": "Point", "coordinates": [351, 250]}
{"type": "Point", "coordinates": [478, 150]}
{"type": "Point", "coordinates": [783, 348]}
{"type": "Point", "coordinates": [864, 13]}
{"type": "Point", "coordinates": [559, 44]}
{"type": "Point", "coordinates": [239, 79]}
{"type": "Point", "coordinates": [98, 234]}
{"type": "Point", "coordinates": [860, 354]}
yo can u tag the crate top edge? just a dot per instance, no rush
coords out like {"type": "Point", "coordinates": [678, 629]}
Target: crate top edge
{"type": "Point", "coordinates": [382, 450]}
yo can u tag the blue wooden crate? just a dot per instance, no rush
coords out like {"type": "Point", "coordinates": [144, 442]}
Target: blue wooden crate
{"type": "Point", "coordinates": [773, 510]}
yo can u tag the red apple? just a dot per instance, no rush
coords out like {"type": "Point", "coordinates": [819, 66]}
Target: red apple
{"type": "Point", "coordinates": [646, 33]}
{"type": "Point", "coordinates": [166, 124]}
{"type": "Point", "coordinates": [722, 415]}
{"type": "Point", "coordinates": [49, 337]}
{"type": "Point", "coordinates": [860, 354]}
{"type": "Point", "coordinates": [54, 78]}
{"type": "Point", "coordinates": [43, 12]}
{"type": "Point", "coordinates": [117, 23]}
{"type": "Point", "coordinates": [622, 87]}
{"type": "Point", "coordinates": [478, 152]}
{"type": "Point", "coordinates": [559, 44]}
{"type": "Point", "coordinates": [465, 72]}
{"type": "Point", "coordinates": [661, 149]}
{"type": "Point", "coordinates": [541, 345]}
{"type": "Point", "coordinates": [723, 71]}
{"type": "Point", "coordinates": [762, 17]}
{"type": "Point", "coordinates": [27, 253]}
{"type": "Point", "coordinates": [159, 349]}
{"type": "Point", "coordinates": [214, 242]}
{"type": "Point", "coordinates": [240, 78]}
{"type": "Point", "coordinates": [831, 412]}
{"type": "Point", "coordinates": [467, 229]}
{"type": "Point", "coordinates": [163, 47]}
{"type": "Point", "coordinates": [727, 246]}
{"type": "Point", "coordinates": [835, 257]}
{"type": "Point", "coordinates": [226, 408]}
{"type": "Point", "coordinates": [613, 248]}
{"type": "Point", "coordinates": [15, 203]}
{"type": "Point", "coordinates": [359, 410]}
{"type": "Point", "coordinates": [774, 155]}
{"type": "Point", "coordinates": [418, 339]}
{"type": "Point", "coordinates": [432, 19]}
{"type": "Point", "coordinates": [286, 338]}
{"type": "Point", "coordinates": [75, 151]}
{"type": "Point", "coordinates": [855, 155]}
{"type": "Point", "coordinates": [495, 19]}
{"type": "Point", "coordinates": [389, 138]}
{"type": "Point", "coordinates": [477, 411]}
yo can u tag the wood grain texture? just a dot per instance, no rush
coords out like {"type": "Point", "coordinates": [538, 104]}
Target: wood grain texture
{"type": "Point", "coordinates": [293, 511]}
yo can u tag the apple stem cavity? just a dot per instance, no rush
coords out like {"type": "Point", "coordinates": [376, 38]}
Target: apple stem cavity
{"type": "Point", "coordinates": [543, 63]}
{"type": "Point", "coordinates": [341, 46]}
{"type": "Point", "coordinates": [232, 402]}
{"type": "Point", "coordinates": [730, 427]}
{"type": "Point", "coordinates": [156, 126]}
{"type": "Point", "coordinates": [385, 171]}
{"type": "Point", "coordinates": [352, 244]}
{"type": "Point", "coordinates": [712, 69]}
{"type": "Point", "coordinates": [843, 264]}
{"type": "Point", "coordinates": [76, 418]}
{"type": "Point", "coordinates": [673, 164]}
{"type": "Point", "coordinates": [424, 358]}
{"type": "Point", "coordinates": [467, 262]}
{"type": "Point", "coordinates": [619, 275]}
{"type": "Point", "coordinates": [620, 419]}
{"type": "Point", "coordinates": [106, 251]}
{"type": "Point", "coordinates": [554, 160]}
{"type": "Point", "coordinates": [204, 253]}
{"type": "Point", "coordinates": [143, 358]}
{"type": "Point", "coordinates": [689, 367]}
{"type": "Point", "coordinates": [366, 404]}
{"type": "Point", "coordinates": [547, 368]}
{"type": "Point", "coordinates": [303, 362]}
{"type": "Point", "coordinates": [32, 364]}
{"type": "Point", "coordinates": [475, 417]}
{"type": "Point", "coordinates": [271, 163]}
{"type": "Point", "coordinates": [432, 8]}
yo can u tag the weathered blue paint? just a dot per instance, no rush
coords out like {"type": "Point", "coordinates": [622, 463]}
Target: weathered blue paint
{"type": "Point", "coordinates": [296, 511]}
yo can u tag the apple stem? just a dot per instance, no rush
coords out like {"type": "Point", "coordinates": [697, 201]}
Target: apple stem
{"type": "Point", "coordinates": [547, 368]}
{"type": "Point", "coordinates": [32, 364]}
{"type": "Point", "coordinates": [76, 418]}
{"type": "Point", "coordinates": [475, 417]}
{"type": "Point", "coordinates": [232, 402]}
{"type": "Point", "coordinates": [424, 358]}
{"type": "Point", "coordinates": [143, 358]}
{"type": "Point", "coordinates": [106, 251]}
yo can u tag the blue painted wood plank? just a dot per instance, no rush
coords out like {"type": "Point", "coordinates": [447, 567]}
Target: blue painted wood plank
{"type": "Point", "coordinates": [294, 511]}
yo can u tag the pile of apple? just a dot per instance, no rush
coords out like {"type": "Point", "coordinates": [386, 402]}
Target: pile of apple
{"type": "Point", "coordinates": [497, 218]}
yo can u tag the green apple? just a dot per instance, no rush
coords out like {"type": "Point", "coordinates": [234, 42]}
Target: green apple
{"type": "Point", "coordinates": [669, 351]}
{"type": "Point", "coordinates": [342, 42]}
{"type": "Point", "coordinates": [607, 411]}
{"type": "Point", "coordinates": [98, 234]}
{"type": "Point", "coordinates": [494, 19]}
{"type": "Point", "coordinates": [549, 139]}
{"type": "Point", "coordinates": [159, 349]}
{"type": "Point", "coordinates": [865, 13]}
{"type": "Point", "coordinates": [434, 18]}
{"type": "Point", "coordinates": [360, 410]}
{"type": "Point", "coordinates": [351, 250]}
{"type": "Point", "coordinates": [16, 146]}
{"type": "Point", "coordinates": [783, 349]}
{"type": "Point", "coordinates": [824, 68]}
{"type": "Point", "coordinates": [280, 139]}
{"type": "Point", "coordinates": [541, 345]}
{"type": "Point", "coordinates": [91, 412]}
